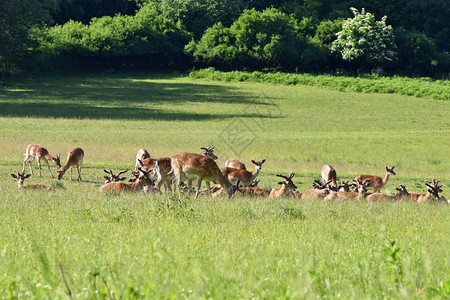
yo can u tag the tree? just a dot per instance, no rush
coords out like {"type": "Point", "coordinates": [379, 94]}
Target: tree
{"type": "Point", "coordinates": [365, 41]}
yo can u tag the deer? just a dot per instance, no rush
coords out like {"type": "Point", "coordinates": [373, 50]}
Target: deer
{"type": "Point", "coordinates": [319, 190]}
{"type": "Point", "coordinates": [141, 155]}
{"type": "Point", "coordinates": [209, 151]}
{"type": "Point", "coordinates": [286, 186]}
{"type": "Point", "coordinates": [74, 158]}
{"type": "Point", "coordinates": [329, 174]}
{"type": "Point", "coordinates": [20, 177]}
{"type": "Point", "coordinates": [399, 194]}
{"type": "Point", "coordinates": [376, 182]}
{"type": "Point", "coordinates": [245, 177]}
{"type": "Point", "coordinates": [432, 194]}
{"type": "Point", "coordinates": [136, 184]}
{"type": "Point", "coordinates": [186, 164]}
{"type": "Point", "coordinates": [360, 195]}
{"type": "Point", "coordinates": [34, 151]}
{"type": "Point", "coordinates": [112, 177]}
{"type": "Point", "coordinates": [235, 164]}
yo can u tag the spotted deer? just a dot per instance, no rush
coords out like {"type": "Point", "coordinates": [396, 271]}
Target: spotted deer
{"type": "Point", "coordinates": [34, 151]}
{"type": "Point", "coordinates": [235, 164]}
{"type": "Point", "coordinates": [20, 177]}
{"type": "Point", "coordinates": [245, 177]}
{"type": "Point", "coordinates": [74, 158]}
{"type": "Point", "coordinates": [186, 164]}
{"type": "Point", "coordinates": [286, 186]}
{"type": "Point", "coordinates": [377, 182]}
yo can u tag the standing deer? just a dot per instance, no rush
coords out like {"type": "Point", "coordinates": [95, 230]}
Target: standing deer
{"type": "Point", "coordinates": [137, 184]}
{"type": "Point", "coordinates": [235, 164]}
{"type": "Point", "coordinates": [286, 186]}
{"type": "Point", "coordinates": [245, 177]}
{"type": "Point", "coordinates": [141, 155]}
{"type": "Point", "coordinates": [20, 177]}
{"type": "Point", "coordinates": [203, 167]}
{"type": "Point", "coordinates": [36, 151]}
{"type": "Point", "coordinates": [376, 182]}
{"type": "Point", "coordinates": [329, 173]}
{"type": "Point", "coordinates": [209, 151]}
{"type": "Point", "coordinates": [74, 158]}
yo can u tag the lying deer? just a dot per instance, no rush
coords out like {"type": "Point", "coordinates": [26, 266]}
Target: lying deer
{"type": "Point", "coordinates": [244, 176]}
{"type": "Point", "coordinates": [74, 158]}
{"type": "Point", "coordinates": [20, 177]}
{"type": "Point", "coordinates": [286, 186]}
{"type": "Point", "coordinates": [399, 194]}
{"type": "Point", "coordinates": [112, 177]}
{"type": "Point", "coordinates": [360, 195]}
{"type": "Point", "coordinates": [142, 179]}
{"type": "Point", "coordinates": [34, 151]}
{"type": "Point", "coordinates": [376, 182]}
{"type": "Point", "coordinates": [319, 190]}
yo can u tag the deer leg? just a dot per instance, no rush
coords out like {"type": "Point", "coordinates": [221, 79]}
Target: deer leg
{"type": "Point", "coordinates": [71, 173]}
{"type": "Point", "coordinates": [79, 172]}
{"type": "Point", "coordinates": [39, 166]}
{"type": "Point", "coordinates": [208, 188]}
{"type": "Point", "coordinates": [199, 184]}
{"type": "Point", "coordinates": [48, 167]}
{"type": "Point", "coordinates": [24, 163]}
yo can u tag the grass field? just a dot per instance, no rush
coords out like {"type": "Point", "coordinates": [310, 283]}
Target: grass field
{"type": "Point", "coordinates": [125, 246]}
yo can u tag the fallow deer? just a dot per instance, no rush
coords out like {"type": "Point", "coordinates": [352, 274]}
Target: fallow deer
{"type": "Point", "coordinates": [319, 190]}
{"type": "Point", "coordinates": [141, 155]}
{"type": "Point", "coordinates": [329, 174]}
{"type": "Point", "coordinates": [286, 186]}
{"type": "Point", "coordinates": [377, 182]}
{"type": "Point", "coordinates": [209, 151]}
{"type": "Point", "coordinates": [161, 171]}
{"type": "Point", "coordinates": [20, 177]}
{"type": "Point", "coordinates": [74, 158]}
{"type": "Point", "coordinates": [34, 151]}
{"type": "Point", "coordinates": [360, 195]}
{"type": "Point", "coordinates": [203, 167]}
{"type": "Point", "coordinates": [137, 184]}
{"type": "Point", "coordinates": [399, 194]}
{"type": "Point", "coordinates": [112, 177]}
{"type": "Point", "coordinates": [432, 194]}
{"type": "Point", "coordinates": [245, 177]}
{"type": "Point", "coordinates": [235, 164]}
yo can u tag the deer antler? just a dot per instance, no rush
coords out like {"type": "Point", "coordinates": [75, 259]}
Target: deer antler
{"type": "Point", "coordinates": [282, 176]}
{"type": "Point", "coordinates": [120, 173]}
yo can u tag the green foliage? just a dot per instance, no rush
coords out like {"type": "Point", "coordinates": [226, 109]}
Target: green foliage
{"type": "Point", "coordinates": [365, 40]}
{"type": "Point", "coordinates": [147, 34]}
{"type": "Point", "coordinates": [267, 39]}
{"type": "Point", "coordinates": [436, 89]}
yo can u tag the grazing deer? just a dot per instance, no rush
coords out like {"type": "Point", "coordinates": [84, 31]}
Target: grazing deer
{"type": "Point", "coordinates": [142, 179]}
{"type": "Point", "coordinates": [203, 167]}
{"type": "Point", "coordinates": [399, 194]}
{"type": "Point", "coordinates": [36, 151]}
{"type": "Point", "coordinates": [245, 177]}
{"type": "Point", "coordinates": [235, 164]}
{"type": "Point", "coordinates": [360, 195]}
{"type": "Point", "coordinates": [141, 155]}
{"type": "Point", "coordinates": [112, 177]}
{"type": "Point", "coordinates": [20, 177]}
{"type": "Point", "coordinates": [376, 182]}
{"type": "Point", "coordinates": [329, 174]}
{"type": "Point", "coordinates": [74, 158]}
{"type": "Point", "coordinates": [286, 186]}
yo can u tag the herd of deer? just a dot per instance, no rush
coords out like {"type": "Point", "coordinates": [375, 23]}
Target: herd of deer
{"type": "Point", "coordinates": [234, 179]}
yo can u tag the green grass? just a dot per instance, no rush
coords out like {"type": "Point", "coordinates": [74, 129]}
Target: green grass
{"type": "Point", "coordinates": [125, 246]}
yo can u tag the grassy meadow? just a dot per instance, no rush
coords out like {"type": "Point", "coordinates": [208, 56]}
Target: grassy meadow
{"type": "Point", "coordinates": [75, 242]}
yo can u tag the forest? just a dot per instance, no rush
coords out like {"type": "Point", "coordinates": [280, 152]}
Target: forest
{"type": "Point", "coordinates": [408, 38]}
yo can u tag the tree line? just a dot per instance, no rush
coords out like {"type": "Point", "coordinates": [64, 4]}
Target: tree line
{"type": "Point", "coordinates": [399, 37]}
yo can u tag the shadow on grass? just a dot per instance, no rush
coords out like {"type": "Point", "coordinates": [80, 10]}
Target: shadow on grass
{"type": "Point", "coordinates": [113, 98]}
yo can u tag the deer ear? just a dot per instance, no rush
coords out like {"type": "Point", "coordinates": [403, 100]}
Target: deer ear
{"type": "Point", "coordinates": [106, 177]}
{"type": "Point", "coordinates": [14, 176]}
{"type": "Point", "coordinates": [281, 182]}
{"type": "Point", "coordinates": [253, 162]}
{"type": "Point", "coordinates": [28, 175]}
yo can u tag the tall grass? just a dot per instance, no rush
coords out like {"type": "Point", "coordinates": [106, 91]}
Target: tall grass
{"type": "Point", "coordinates": [418, 87]}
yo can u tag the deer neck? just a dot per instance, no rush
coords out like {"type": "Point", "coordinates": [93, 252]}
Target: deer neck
{"type": "Point", "coordinates": [20, 185]}
{"type": "Point", "coordinates": [255, 172]}
{"type": "Point", "coordinates": [282, 190]}
{"type": "Point", "coordinates": [386, 178]}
